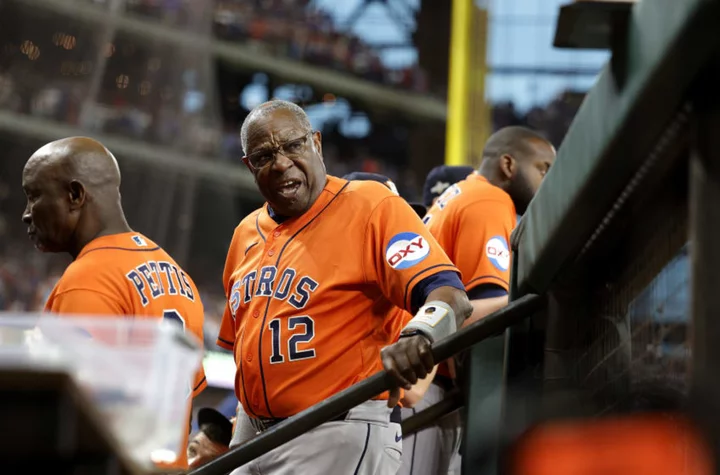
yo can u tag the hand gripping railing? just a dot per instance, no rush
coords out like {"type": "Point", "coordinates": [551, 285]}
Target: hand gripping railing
{"type": "Point", "coordinates": [378, 383]}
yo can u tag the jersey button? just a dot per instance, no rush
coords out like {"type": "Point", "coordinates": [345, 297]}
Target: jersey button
{"type": "Point", "coordinates": [249, 357]}
{"type": "Point", "coordinates": [276, 234]}
{"type": "Point", "coordinates": [256, 314]}
{"type": "Point", "coordinates": [271, 252]}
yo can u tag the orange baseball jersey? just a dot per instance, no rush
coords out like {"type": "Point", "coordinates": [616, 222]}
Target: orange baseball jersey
{"type": "Point", "coordinates": [313, 300]}
{"type": "Point", "coordinates": [472, 220]}
{"type": "Point", "coordinates": [128, 274]}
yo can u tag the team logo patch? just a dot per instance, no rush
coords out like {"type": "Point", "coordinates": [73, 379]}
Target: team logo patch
{"type": "Point", "coordinates": [498, 252]}
{"type": "Point", "coordinates": [139, 241]}
{"type": "Point", "coordinates": [405, 250]}
{"type": "Point", "coordinates": [447, 195]}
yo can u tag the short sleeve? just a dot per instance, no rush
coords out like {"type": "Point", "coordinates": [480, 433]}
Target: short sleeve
{"type": "Point", "coordinates": [480, 235]}
{"type": "Point", "coordinates": [200, 382]}
{"type": "Point", "coordinates": [84, 302]}
{"type": "Point", "coordinates": [399, 251]}
{"type": "Point", "coordinates": [226, 335]}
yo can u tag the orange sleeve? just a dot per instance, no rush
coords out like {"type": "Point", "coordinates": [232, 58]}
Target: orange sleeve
{"type": "Point", "coordinates": [84, 302]}
{"type": "Point", "coordinates": [200, 382]}
{"type": "Point", "coordinates": [480, 233]}
{"type": "Point", "coordinates": [226, 335]}
{"type": "Point", "coordinates": [399, 251]}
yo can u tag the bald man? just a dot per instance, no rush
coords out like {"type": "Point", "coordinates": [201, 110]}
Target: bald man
{"type": "Point", "coordinates": [472, 221]}
{"type": "Point", "coordinates": [73, 205]}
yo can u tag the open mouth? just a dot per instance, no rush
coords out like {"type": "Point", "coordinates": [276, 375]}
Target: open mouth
{"type": "Point", "coordinates": [288, 188]}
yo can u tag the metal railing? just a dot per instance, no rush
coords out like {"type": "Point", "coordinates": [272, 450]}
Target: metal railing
{"type": "Point", "coordinates": [378, 383]}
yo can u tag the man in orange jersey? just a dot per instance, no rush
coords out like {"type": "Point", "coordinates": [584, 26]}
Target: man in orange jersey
{"type": "Point", "coordinates": [311, 279]}
{"type": "Point", "coordinates": [472, 221]}
{"type": "Point", "coordinates": [73, 205]}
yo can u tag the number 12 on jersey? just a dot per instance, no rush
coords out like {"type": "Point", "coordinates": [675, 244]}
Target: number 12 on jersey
{"type": "Point", "coordinates": [293, 353]}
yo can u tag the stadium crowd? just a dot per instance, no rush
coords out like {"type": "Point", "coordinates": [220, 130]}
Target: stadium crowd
{"type": "Point", "coordinates": [292, 29]}
{"type": "Point", "coordinates": [174, 113]}
{"type": "Point", "coordinates": [62, 101]}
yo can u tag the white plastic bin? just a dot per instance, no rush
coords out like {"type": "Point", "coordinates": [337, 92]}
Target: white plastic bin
{"type": "Point", "coordinates": [138, 372]}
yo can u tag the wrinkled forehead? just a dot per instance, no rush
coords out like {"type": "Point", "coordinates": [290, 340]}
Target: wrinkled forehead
{"type": "Point", "coordinates": [272, 128]}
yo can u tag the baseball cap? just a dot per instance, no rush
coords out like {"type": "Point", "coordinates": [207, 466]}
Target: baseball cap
{"type": "Point", "coordinates": [364, 176]}
{"type": "Point", "coordinates": [441, 178]}
{"type": "Point", "coordinates": [208, 415]}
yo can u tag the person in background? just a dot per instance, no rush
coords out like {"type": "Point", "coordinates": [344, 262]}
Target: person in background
{"type": "Point", "coordinates": [72, 187]}
{"type": "Point", "coordinates": [212, 440]}
{"type": "Point", "coordinates": [472, 221]}
{"type": "Point", "coordinates": [440, 179]}
{"type": "Point", "coordinates": [419, 208]}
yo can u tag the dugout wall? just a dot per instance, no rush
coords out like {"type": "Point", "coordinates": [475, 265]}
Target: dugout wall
{"type": "Point", "coordinates": [627, 218]}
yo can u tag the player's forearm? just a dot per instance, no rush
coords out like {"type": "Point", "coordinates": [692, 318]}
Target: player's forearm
{"type": "Point", "coordinates": [484, 307]}
{"type": "Point", "coordinates": [417, 392]}
{"type": "Point", "coordinates": [456, 299]}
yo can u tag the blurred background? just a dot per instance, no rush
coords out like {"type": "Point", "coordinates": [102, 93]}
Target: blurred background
{"type": "Point", "coordinates": [165, 85]}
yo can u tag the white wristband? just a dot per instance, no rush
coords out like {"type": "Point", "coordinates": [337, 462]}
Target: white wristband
{"type": "Point", "coordinates": [435, 320]}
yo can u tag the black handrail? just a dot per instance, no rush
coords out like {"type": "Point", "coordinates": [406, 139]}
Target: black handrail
{"type": "Point", "coordinates": [357, 394]}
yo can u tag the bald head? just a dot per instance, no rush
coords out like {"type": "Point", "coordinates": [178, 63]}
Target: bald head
{"type": "Point", "coordinates": [516, 159]}
{"type": "Point", "coordinates": [514, 141]}
{"type": "Point", "coordinates": [77, 158]}
{"type": "Point", "coordinates": [73, 191]}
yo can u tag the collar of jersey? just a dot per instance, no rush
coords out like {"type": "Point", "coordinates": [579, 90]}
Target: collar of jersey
{"type": "Point", "coordinates": [111, 240]}
{"type": "Point", "coordinates": [332, 187]}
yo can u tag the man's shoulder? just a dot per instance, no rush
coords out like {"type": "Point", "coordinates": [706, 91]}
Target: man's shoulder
{"type": "Point", "coordinates": [479, 188]}
{"type": "Point", "coordinates": [91, 272]}
{"type": "Point", "coordinates": [250, 221]}
{"type": "Point", "coordinates": [477, 192]}
{"type": "Point", "coordinates": [100, 267]}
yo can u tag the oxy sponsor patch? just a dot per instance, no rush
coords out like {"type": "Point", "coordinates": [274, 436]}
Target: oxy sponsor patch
{"type": "Point", "coordinates": [405, 250]}
{"type": "Point", "coordinates": [498, 252]}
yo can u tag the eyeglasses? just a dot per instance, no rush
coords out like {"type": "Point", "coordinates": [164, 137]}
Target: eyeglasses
{"type": "Point", "coordinates": [290, 149]}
